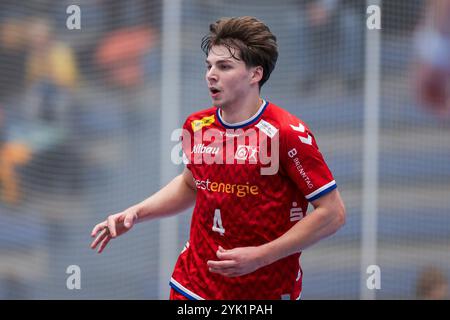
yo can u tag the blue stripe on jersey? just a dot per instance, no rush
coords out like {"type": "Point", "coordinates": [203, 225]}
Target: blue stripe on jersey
{"type": "Point", "coordinates": [174, 287]}
{"type": "Point", "coordinates": [227, 126]}
{"type": "Point", "coordinates": [324, 192]}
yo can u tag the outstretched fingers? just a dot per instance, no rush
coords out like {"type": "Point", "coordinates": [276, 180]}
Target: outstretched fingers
{"type": "Point", "coordinates": [104, 243]}
{"type": "Point", "coordinates": [104, 234]}
{"type": "Point", "coordinates": [98, 227]}
{"type": "Point", "coordinates": [112, 226]}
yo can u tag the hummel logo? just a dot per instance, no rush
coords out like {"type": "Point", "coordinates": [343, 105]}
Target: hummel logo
{"type": "Point", "coordinates": [301, 128]}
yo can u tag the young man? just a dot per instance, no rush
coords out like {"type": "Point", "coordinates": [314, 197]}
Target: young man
{"type": "Point", "coordinates": [251, 170]}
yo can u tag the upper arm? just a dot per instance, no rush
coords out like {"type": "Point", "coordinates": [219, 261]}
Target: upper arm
{"type": "Point", "coordinates": [331, 202]}
{"type": "Point", "coordinates": [303, 162]}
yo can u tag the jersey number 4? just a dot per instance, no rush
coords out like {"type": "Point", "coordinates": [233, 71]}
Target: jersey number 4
{"type": "Point", "coordinates": [217, 224]}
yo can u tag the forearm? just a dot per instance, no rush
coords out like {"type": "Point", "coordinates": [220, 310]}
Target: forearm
{"type": "Point", "coordinates": [175, 197]}
{"type": "Point", "coordinates": [308, 231]}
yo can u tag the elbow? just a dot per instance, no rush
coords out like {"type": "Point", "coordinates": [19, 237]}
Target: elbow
{"type": "Point", "coordinates": [333, 213]}
{"type": "Point", "coordinates": [337, 216]}
{"type": "Point", "coordinates": [340, 216]}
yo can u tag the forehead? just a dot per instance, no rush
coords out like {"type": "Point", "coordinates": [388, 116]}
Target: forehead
{"type": "Point", "coordinates": [223, 53]}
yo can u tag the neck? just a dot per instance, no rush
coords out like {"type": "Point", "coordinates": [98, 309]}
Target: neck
{"type": "Point", "coordinates": [241, 112]}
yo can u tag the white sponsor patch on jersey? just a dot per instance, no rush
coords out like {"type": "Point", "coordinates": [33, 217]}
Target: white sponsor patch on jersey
{"type": "Point", "coordinates": [267, 128]}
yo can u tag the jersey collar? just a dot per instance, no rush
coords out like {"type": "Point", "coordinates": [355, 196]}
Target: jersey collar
{"type": "Point", "coordinates": [244, 123]}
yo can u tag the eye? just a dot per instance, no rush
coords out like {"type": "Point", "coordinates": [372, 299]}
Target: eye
{"type": "Point", "coordinates": [208, 66]}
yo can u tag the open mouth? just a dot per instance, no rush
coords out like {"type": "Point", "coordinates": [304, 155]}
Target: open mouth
{"type": "Point", "coordinates": [214, 90]}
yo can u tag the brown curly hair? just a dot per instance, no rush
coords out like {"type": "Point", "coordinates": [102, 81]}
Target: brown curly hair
{"type": "Point", "coordinates": [256, 44]}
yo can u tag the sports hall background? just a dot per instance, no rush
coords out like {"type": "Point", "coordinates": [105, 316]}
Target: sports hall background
{"type": "Point", "coordinates": [86, 117]}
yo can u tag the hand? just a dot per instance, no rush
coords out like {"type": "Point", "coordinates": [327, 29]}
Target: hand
{"type": "Point", "coordinates": [115, 225]}
{"type": "Point", "coordinates": [236, 262]}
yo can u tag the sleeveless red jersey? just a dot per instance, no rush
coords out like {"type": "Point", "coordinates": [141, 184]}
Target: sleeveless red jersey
{"type": "Point", "coordinates": [254, 180]}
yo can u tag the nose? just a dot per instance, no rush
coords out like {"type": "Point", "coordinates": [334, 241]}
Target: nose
{"type": "Point", "coordinates": [211, 75]}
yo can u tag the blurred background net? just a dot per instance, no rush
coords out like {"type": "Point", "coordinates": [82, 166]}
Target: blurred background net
{"type": "Point", "coordinates": [81, 114]}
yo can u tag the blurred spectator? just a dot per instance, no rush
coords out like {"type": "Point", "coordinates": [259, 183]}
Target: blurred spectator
{"type": "Point", "coordinates": [49, 58]}
{"type": "Point", "coordinates": [332, 34]}
{"type": "Point", "coordinates": [132, 13]}
{"type": "Point", "coordinates": [51, 73]}
{"type": "Point", "coordinates": [121, 54]}
{"type": "Point", "coordinates": [12, 58]}
{"type": "Point", "coordinates": [51, 78]}
{"type": "Point", "coordinates": [84, 41]}
{"type": "Point", "coordinates": [432, 284]}
{"type": "Point", "coordinates": [432, 75]}
{"type": "Point", "coordinates": [12, 66]}
{"type": "Point", "coordinates": [12, 155]}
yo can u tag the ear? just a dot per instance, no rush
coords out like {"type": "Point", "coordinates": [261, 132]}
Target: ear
{"type": "Point", "coordinates": [256, 74]}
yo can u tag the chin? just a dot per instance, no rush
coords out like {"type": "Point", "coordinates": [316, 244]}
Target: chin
{"type": "Point", "coordinates": [219, 105]}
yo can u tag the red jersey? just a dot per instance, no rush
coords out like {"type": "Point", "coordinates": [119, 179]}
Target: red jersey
{"type": "Point", "coordinates": [254, 180]}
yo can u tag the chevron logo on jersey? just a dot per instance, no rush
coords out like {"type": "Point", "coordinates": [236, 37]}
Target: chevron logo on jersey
{"type": "Point", "coordinates": [203, 122]}
{"type": "Point", "coordinates": [301, 128]}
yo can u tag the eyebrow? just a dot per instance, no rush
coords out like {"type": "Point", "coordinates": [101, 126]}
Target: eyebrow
{"type": "Point", "coordinates": [219, 61]}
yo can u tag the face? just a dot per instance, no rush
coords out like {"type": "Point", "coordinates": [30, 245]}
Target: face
{"type": "Point", "coordinates": [229, 80]}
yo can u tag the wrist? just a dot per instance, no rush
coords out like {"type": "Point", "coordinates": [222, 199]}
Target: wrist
{"type": "Point", "coordinates": [266, 255]}
{"type": "Point", "coordinates": [138, 213]}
